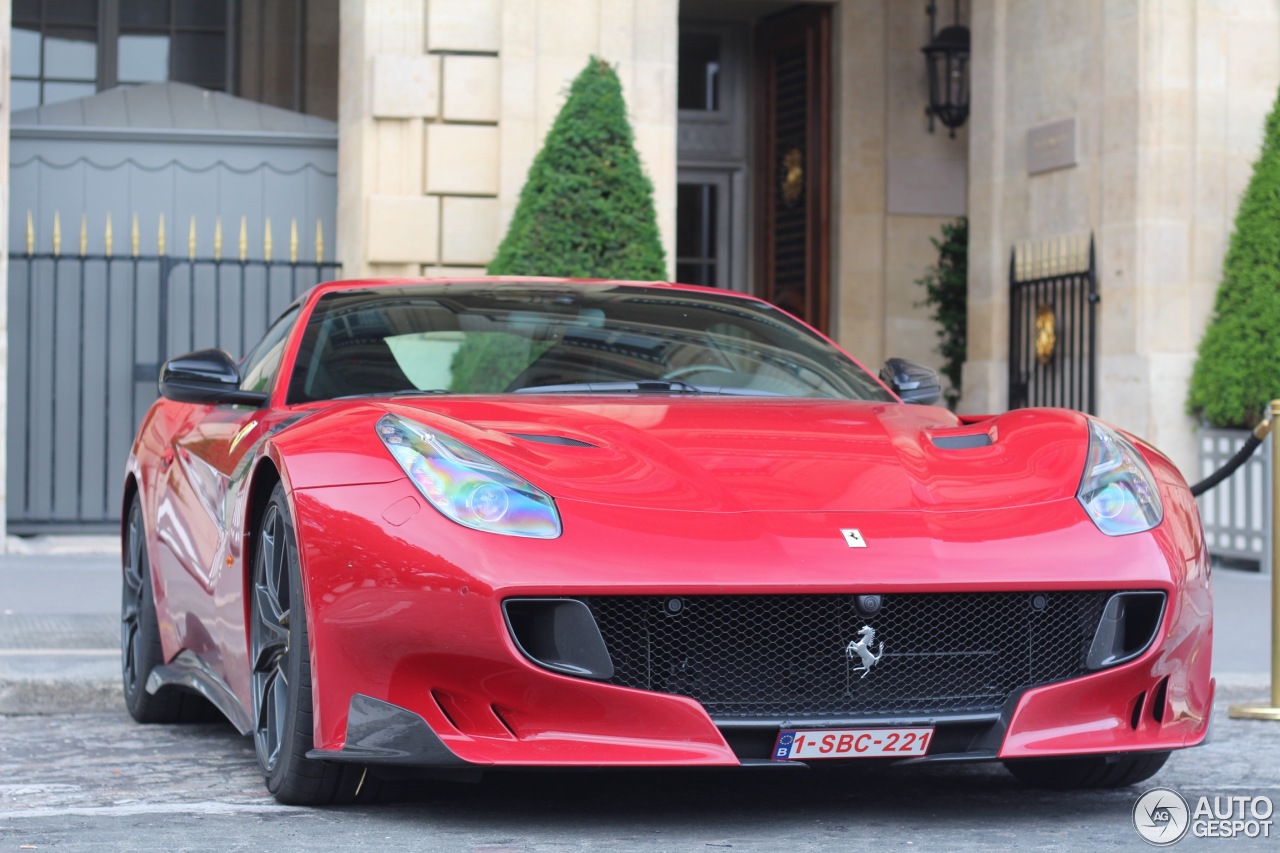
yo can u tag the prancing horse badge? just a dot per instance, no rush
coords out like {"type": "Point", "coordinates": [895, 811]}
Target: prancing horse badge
{"type": "Point", "coordinates": [854, 537]}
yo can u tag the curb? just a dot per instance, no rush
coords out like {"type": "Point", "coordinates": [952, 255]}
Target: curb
{"type": "Point", "coordinates": [32, 698]}
{"type": "Point", "coordinates": [68, 545]}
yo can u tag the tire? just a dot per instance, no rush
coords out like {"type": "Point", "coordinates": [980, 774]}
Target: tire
{"type": "Point", "coordinates": [140, 648]}
{"type": "Point", "coordinates": [280, 656]}
{"type": "Point", "coordinates": [1088, 771]}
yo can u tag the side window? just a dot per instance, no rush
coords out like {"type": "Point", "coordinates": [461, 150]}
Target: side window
{"type": "Point", "coordinates": [258, 372]}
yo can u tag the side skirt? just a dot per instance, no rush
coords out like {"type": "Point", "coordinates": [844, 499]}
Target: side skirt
{"type": "Point", "coordinates": [189, 672]}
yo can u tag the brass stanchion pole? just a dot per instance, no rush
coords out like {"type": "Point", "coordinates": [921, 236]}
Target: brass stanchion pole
{"type": "Point", "coordinates": [1272, 711]}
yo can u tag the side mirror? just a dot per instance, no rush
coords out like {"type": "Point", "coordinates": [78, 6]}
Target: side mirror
{"type": "Point", "coordinates": [208, 376]}
{"type": "Point", "coordinates": [914, 383]}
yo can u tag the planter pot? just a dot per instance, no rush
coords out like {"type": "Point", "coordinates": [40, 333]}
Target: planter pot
{"type": "Point", "coordinates": [1237, 512]}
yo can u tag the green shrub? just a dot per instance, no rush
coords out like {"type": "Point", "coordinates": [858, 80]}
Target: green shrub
{"type": "Point", "coordinates": [586, 210]}
{"type": "Point", "coordinates": [1237, 368]}
{"type": "Point", "coordinates": [946, 288]}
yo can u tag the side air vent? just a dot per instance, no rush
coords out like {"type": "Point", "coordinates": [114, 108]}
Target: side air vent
{"type": "Point", "coordinates": [1159, 701]}
{"type": "Point", "coordinates": [962, 442]}
{"type": "Point", "coordinates": [561, 440]}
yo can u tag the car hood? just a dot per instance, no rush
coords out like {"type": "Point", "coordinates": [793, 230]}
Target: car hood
{"type": "Point", "coordinates": [721, 454]}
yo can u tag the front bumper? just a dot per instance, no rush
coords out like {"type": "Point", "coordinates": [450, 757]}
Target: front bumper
{"type": "Point", "coordinates": [406, 625]}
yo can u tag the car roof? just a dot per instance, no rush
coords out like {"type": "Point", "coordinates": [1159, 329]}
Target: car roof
{"type": "Point", "coordinates": [509, 281]}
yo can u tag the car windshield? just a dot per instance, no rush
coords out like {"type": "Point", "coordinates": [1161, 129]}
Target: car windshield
{"type": "Point", "coordinates": [563, 339]}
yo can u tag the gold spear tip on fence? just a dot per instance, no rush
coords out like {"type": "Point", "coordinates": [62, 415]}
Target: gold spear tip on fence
{"type": "Point", "coordinates": [57, 234]}
{"type": "Point", "coordinates": [266, 239]}
{"type": "Point", "coordinates": [31, 234]}
{"type": "Point", "coordinates": [319, 241]}
{"type": "Point", "coordinates": [293, 240]}
{"type": "Point", "coordinates": [244, 238]}
{"type": "Point", "coordinates": [191, 240]}
{"type": "Point", "coordinates": [160, 237]}
{"type": "Point", "coordinates": [217, 238]}
{"type": "Point", "coordinates": [107, 239]}
{"type": "Point", "coordinates": [133, 236]}
{"type": "Point", "coordinates": [84, 234]}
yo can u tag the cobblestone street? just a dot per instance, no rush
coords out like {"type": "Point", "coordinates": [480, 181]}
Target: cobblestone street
{"type": "Point", "coordinates": [99, 781]}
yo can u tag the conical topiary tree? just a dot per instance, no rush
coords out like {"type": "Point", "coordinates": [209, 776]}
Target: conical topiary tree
{"type": "Point", "coordinates": [1237, 368]}
{"type": "Point", "coordinates": [586, 209]}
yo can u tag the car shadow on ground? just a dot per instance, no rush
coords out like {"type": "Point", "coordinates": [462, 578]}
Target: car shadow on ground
{"type": "Point", "coordinates": [705, 797]}
{"type": "Point", "coordinates": [730, 801]}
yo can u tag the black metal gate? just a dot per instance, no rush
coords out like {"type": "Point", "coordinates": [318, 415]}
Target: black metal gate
{"type": "Point", "coordinates": [1053, 297]}
{"type": "Point", "coordinates": [87, 335]}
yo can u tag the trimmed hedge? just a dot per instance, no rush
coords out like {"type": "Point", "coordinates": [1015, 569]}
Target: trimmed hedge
{"type": "Point", "coordinates": [1237, 368]}
{"type": "Point", "coordinates": [586, 210]}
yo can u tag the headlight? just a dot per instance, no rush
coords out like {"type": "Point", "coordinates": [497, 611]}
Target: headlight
{"type": "Point", "coordinates": [1117, 490]}
{"type": "Point", "coordinates": [467, 486]}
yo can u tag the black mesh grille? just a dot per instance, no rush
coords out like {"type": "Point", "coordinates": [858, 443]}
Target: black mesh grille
{"type": "Point", "coordinates": [762, 656]}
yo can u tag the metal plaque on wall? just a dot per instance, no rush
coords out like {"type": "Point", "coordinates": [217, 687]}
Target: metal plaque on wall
{"type": "Point", "coordinates": [1051, 146]}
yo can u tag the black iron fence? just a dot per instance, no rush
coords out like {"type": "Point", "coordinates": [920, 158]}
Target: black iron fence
{"type": "Point", "coordinates": [87, 336]}
{"type": "Point", "coordinates": [1053, 298]}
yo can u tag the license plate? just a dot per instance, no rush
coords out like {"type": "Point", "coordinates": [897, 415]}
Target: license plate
{"type": "Point", "coordinates": [808, 744]}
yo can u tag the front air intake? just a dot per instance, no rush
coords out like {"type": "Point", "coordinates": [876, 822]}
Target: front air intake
{"type": "Point", "coordinates": [1128, 627]}
{"type": "Point", "coordinates": [559, 634]}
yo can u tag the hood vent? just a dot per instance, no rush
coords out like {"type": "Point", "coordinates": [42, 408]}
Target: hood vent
{"type": "Point", "coordinates": [561, 440]}
{"type": "Point", "coordinates": [962, 442]}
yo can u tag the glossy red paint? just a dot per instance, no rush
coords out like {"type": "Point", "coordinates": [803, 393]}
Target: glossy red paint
{"type": "Point", "coordinates": [678, 495]}
{"type": "Point", "coordinates": [411, 620]}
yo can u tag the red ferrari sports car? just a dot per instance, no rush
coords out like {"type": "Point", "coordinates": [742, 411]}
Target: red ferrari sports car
{"type": "Point", "coordinates": [453, 525]}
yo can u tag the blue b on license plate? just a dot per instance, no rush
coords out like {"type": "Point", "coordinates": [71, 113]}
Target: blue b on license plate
{"type": "Point", "coordinates": [809, 744]}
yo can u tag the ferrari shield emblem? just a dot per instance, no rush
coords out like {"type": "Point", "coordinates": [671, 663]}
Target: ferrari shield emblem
{"type": "Point", "coordinates": [853, 536]}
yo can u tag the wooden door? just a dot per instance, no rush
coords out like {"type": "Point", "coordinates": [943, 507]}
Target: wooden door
{"type": "Point", "coordinates": [794, 158]}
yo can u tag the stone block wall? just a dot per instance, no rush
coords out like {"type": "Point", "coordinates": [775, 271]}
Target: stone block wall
{"type": "Point", "coordinates": [895, 183]}
{"type": "Point", "coordinates": [1169, 101]}
{"type": "Point", "coordinates": [444, 104]}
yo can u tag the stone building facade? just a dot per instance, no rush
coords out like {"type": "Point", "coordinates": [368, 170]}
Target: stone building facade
{"type": "Point", "coordinates": [1168, 98]}
{"type": "Point", "coordinates": [441, 106]}
{"type": "Point", "coordinates": [444, 103]}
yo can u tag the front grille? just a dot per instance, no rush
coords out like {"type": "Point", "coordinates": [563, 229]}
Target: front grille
{"type": "Point", "coordinates": [784, 656]}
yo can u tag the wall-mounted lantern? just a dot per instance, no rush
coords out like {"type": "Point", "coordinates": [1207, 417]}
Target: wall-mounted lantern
{"type": "Point", "coordinates": [947, 64]}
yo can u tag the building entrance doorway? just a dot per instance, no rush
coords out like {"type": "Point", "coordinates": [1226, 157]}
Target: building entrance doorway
{"type": "Point", "coordinates": [714, 145]}
{"type": "Point", "coordinates": [753, 176]}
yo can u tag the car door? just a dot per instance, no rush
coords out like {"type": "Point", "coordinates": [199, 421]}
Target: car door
{"type": "Point", "coordinates": [206, 456]}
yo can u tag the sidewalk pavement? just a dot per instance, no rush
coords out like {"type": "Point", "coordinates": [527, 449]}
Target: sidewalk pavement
{"type": "Point", "coordinates": [60, 635]}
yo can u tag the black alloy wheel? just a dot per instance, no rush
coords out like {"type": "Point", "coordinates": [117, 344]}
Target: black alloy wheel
{"type": "Point", "coordinates": [270, 648]}
{"type": "Point", "coordinates": [278, 648]}
{"type": "Point", "coordinates": [140, 648]}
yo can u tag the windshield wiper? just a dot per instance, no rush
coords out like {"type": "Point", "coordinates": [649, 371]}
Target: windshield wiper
{"type": "Point", "coordinates": [405, 392]}
{"type": "Point", "coordinates": [643, 386]}
{"type": "Point", "coordinates": [659, 386]}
